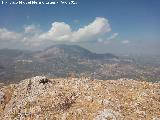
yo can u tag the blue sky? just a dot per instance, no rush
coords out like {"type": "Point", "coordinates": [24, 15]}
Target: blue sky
{"type": "Point", "coordinates": [134, 24]}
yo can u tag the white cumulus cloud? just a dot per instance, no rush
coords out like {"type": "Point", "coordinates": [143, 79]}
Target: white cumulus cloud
{"type": "Point", "coordinates": [113, 36]}
{"type": "Point", "coordinates": [6, 35]}
{"type": "Point", "coordinates": [59, 32]}
{"type": "Point", "coordinates": [109, 39]}
{"type": "Point", "coordinates": [31, 29]}
{"type": "Point", "coordinates": [95, 29]}
{"type": "Point", "coordinates": [125, 42]}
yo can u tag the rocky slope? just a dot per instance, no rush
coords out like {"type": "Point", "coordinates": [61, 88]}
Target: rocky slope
{"type": "Point", "coordinates": [82, 98]}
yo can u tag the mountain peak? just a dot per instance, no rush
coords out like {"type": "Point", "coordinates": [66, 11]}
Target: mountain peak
{"type": "Point", "coordinates": [76, 51]}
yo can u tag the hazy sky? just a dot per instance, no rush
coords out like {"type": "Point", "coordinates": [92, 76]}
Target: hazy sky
{"type": "Point", "coordinates": [117, 26]}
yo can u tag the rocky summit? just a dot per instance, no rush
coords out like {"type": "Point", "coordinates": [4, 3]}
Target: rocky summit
{"type": "Point", "coordinates": [40, 98]}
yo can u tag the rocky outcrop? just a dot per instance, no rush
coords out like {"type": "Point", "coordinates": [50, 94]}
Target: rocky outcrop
{"type": "Point", "coordinates": [41, 98]}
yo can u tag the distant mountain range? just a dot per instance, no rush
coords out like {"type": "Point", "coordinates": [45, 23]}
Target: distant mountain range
{"type": "Point", "coordinates": [73, 51]}
{"type": "Point", "coordinates": [61, 60]}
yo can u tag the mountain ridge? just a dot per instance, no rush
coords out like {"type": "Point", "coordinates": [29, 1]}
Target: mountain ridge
{"type": "Point", "coordinates": [78, 51]}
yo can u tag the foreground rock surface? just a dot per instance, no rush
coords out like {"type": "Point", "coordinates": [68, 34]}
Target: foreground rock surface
{"type": "Point", "coordinates": [40, 98]}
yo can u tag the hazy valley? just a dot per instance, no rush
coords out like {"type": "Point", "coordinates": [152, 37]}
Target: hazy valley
{"type": "Point", "coordinates": [64, 60]}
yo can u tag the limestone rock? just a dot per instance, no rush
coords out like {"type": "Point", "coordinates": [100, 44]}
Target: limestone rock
{"type": "Point", "coordinates": [40, 98]}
